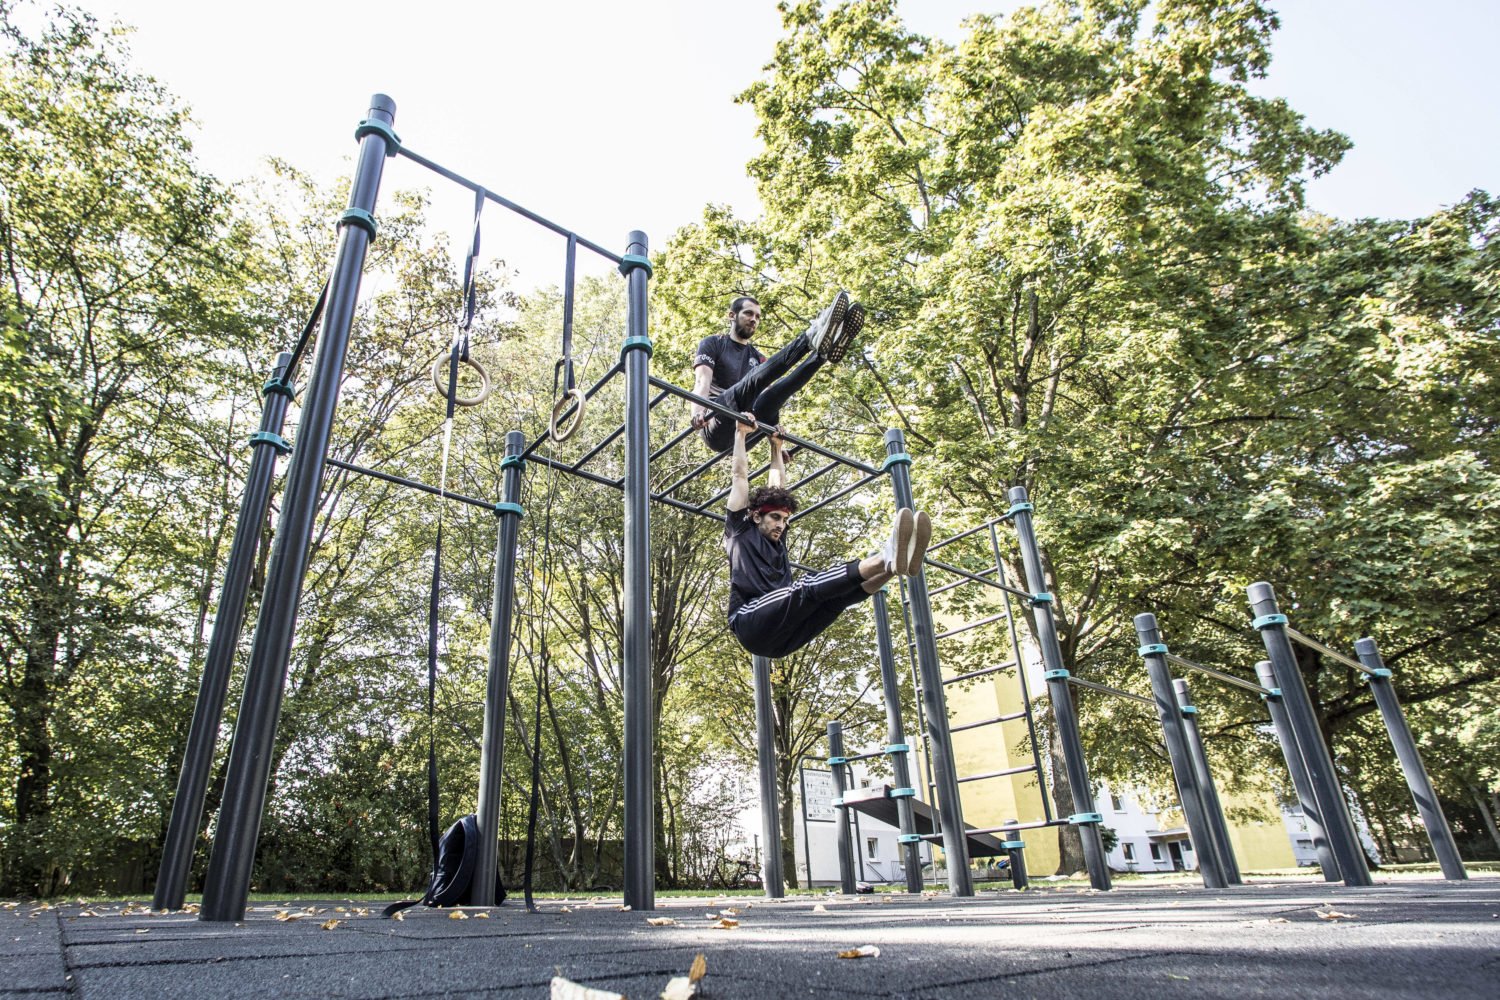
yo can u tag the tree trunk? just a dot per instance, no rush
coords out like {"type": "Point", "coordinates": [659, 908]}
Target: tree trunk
{"type": "Point", "coordinates": [1485, 813]}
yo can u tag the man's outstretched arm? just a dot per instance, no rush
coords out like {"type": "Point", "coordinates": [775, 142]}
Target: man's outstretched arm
{"type": "Point", "coordinates": [703, 384]}
{"type": "Point", "coordinates": [776, 476]}
{"type": "Point", "coordinates": [739, 469]}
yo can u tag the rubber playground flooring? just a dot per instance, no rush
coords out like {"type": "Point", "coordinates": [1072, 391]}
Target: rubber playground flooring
{"type": "Point", "coordinates": [1401, 938]}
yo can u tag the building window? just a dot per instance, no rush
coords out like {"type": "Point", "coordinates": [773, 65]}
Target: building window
{"type": "Point", "coordinates": [1304, 845]}
{"type": "Point", "coordinates": [1187, 845]}
{"type": "Point", "coordinates": [1129, 850]}
{"type": "Point", "coordinates": [1118, 802]}
{"type": "Point", "coordinates": [1155, 852]}
{"type": "Point", "coordinates": [872, 848]}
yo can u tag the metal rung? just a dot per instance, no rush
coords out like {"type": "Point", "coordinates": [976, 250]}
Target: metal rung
{"type": "Point", "coordinates": [988, 722]}
{"type": "Point", "coordinates": [959, 583]}
{"type": "Point", "coordinates": [978, 673]}
{"type": "Point", "coordinates": [1000, 774]}
{"type": "Point", "coordinates": [972, 625]}
{"type": "Point", "coordinates": [1034, 825]}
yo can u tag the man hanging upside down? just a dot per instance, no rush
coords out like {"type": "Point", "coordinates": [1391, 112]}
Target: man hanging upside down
{"type": "Point", "coordinates": [770, 613]}
{"type": "Point", "coordinates": [732, 372]}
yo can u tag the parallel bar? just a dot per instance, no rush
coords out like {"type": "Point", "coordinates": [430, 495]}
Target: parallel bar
{"type": "Point", "coordinates": [845, 847]}
{"type": "Point", "coordinates": [414, 484]}
{"type": "Point", "coordinates": [1330, 653]}
{"type": "Point", "coordinates": [680, 437]}
{"type": "Point", "coordinates": [1015, 649]}
{"type": "Point", "coordinates": [793, 438]}
{"type": "Point", "coordinates": [983, 672]}
{"type": "Point", "coordinates": [462, 181]}
{"type": "Point", "coordinates": [616, 484]}
{"type": "Point", "coordinates": [999, 774]}
{"type": "Point", "coordinates": [895, 735]}
{"type": "Point", "coordinates": [1218, 830]}
{"type": "Point", "coordinates": [992, 619]}
{"type": "Point", "coordinates": [1217, 675]}
{"type": "Point", "coordinates": [1080, 682]}
{"type": "Point", "coordinates": [588, 393]}
{"type": "Point", "coordinates": [1034, 825]}
{"type": "Point", "coordinates": [1312, 815]}
{"type": "Point", "coordinates": [959, 537]}
{"type": "Point", "coordinates": [593, 452]}
{"type": "Point", "coordinates": [1008, 717]}
{"type": "Point", "coordinates": [761, 471]}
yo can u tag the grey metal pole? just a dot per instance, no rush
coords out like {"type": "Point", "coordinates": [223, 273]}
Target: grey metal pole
{"type": "Point", "coordinates": [1015, 848]}
{"type": "Point", "coordinates": [229, 620]}
{"type": "Point", "coordinates": [1153, 652]}
{"type": "Point", "coordinates": [773, 876]}
{"type": "Point", "coordinates": [640, 722]}
{"type": "Point", "coordinates": [497, 689]}
{"type": "Point", "coordinates": [940, 737]}
{"type": "Point", "coordinates": [227, 885]}
{"type": "Point", "coordinates": [897, 747]}
{"type": "Point", "coordinates": [836, 765]}
{"type": "Point", "coordinates": [1321, 773]}
{"type": "Point", "coordinates": [1086, 816]}
{"type": "Point", "coordinates": [1213, 809]}
{"type": "Point", "coordinates": [1422, 793]}
{"type": "Point", "coordinates": [1292, 754]}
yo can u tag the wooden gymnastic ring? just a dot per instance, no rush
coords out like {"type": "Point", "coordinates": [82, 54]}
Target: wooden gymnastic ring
{"type": "Point", "coordinates": [440, 381]}
{"type": "Point", "coordinates": [561, 434]}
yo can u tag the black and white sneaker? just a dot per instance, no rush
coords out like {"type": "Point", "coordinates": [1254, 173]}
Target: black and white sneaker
{"type": "Point", "coordinates": [825, 328]}
{"type": "Point", "coordinates": [836, 346]}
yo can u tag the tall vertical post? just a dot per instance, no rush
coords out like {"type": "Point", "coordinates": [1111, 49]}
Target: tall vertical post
{"type": "Point", "coordinates": [840, 786]}
{"type": "Point", "coordinates": [229, 620]}
{"type": "Point", "coordinates": [497, 688]}
{"type": "Point", "coordinates": [1086, 816]}
{"type": "Point", "coordinates": [1422, 793]}
{"type": "Point", "coordinates": [773, 876]}
{"type": "Point", "coordinates": [1321, 773]}
{"type": "Point", "coordinates": [1153, 652]}
{"type": "Point", "coordinates": [897, 748]}
{"type": "Point", "coordinates": [227, 885]}
{"type": "Point", "coordinates": [640, 722]}
{"type": "Point", "coordinates": [944, 774]}
{"type": "Point", "coordinates": [1218, 840]}
{"type": "Point", "coordinates": [1301, 784]}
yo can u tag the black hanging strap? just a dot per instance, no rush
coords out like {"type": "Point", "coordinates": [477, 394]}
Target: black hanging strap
{"type": "Point", "coordinates": [313, 320]}
{"type": "Point", "coordinates": [434, 821]}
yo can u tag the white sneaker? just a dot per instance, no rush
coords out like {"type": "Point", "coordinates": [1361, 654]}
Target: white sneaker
{"type": "Point", "coordinates": [897, 551]}
{"type": "Point", "coordinates": [824, 329]}
{"type": "Point", "coordinates": [917, 549]}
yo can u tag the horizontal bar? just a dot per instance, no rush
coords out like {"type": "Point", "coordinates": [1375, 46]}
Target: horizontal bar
{"type": "Point", "coordinates": [756, 474]}
{"type": "Point", "coordinates": [1034, 825]}
{"type": "Point", "coordinates": [977, 673]}
{"type": "Point", "coordinates": [1000, 774]}
{"type": "Point", "coordinates": [1217, 674]}
{"type": "Point", "coordinates": [961, 583]}
{"type": "Point", "coordinates": [1079, 682]}
{"type": "Point", "coordinates": [836, 495]}
{"type": "Point", "coordinates": [588, 394]}
{"type": "Point", "coordinates": [978, 579]}
{"type": "Point", "coordinates": [961, 535]}
{"type": "Point", "coordinates": [1009, 717]}
{"type": "Point", "coordinates": [594, 477]}
{"type": "Point", "coordinates": [864, 756]}
{"type": "Point", "coordinates": [506, 203]}
{"type": "Point", "coordinates": [793, 438]}
{"type": "Point", "coordinates": [596, 449]}
{"type": "Point", "coordinates": [658, 453]}
{"type": "Point", "coordinates": [1335, 654]}
{"type": "Point", "coordinates": [403, 481]}
{"type": "Point", "coordinates": [992, 619]}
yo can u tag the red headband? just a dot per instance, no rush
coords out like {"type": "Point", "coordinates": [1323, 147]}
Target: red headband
{"type": "Point", "coordinates": [766, 508]}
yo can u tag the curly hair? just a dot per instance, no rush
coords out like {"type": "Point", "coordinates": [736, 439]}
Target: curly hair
{"type": "Point", "coordinates": [772, 496]}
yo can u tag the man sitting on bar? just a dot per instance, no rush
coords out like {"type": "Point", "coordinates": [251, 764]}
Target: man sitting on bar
{"type": "Point", "coordinates": [770, 613]}
{"type": "Point", "coordinates": [729, 370]}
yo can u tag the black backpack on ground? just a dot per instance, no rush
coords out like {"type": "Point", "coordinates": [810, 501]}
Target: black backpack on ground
{"type": "Point", "coordinates": [453, 872]}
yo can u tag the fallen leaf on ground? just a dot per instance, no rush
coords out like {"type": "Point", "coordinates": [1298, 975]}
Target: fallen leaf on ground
{"type": "Point", "coordinates": [330, 924]}
{"type": "Point", "coordinates": [699, 968]}
{"type": "Point", "coordinates": [660, 921]}
{"type": "Point", "coordinates": [458, 915]}
{"type": "Point", "coordinates": [1332, 914]}
{"type": "Point", "coordinates": [726, 924]}
{"type": "Point", "coordinates": [482, 915]}
{"type": "Point", "coordinates": [399, 915]}
{"type": "Point", "coordinates": [863, 951]}
{"type": "Point", "coordinates": [566, 989]}
{"type": "Point", "coordinates": [820, 908]}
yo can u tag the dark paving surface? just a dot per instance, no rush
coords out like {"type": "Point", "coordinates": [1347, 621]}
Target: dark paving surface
{"type": "Point", "coordinates": [1418, 939]}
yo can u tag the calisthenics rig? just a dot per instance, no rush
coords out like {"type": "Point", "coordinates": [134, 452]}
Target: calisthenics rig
{"type": "Point", "coordinates": [227, 884]}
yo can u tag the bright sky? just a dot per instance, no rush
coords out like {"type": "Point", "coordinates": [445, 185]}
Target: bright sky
{"type": "Point", "coordinates": [607, 117]}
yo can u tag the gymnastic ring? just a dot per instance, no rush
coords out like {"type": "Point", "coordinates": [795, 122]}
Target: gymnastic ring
{"type": "Point", "coordinates": [561, 434]}
{"type": "Point", "coordinates": [440, 380]}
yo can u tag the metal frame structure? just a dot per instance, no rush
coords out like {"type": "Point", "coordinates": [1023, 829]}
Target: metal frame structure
{"type": "Point", "coordinates": [227, 884]}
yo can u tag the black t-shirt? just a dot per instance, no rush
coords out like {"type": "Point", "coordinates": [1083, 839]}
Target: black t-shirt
{"type": "Point", "coordinates": [730, 359]}
{"type": "Point", "coordinates": [757, 565]}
